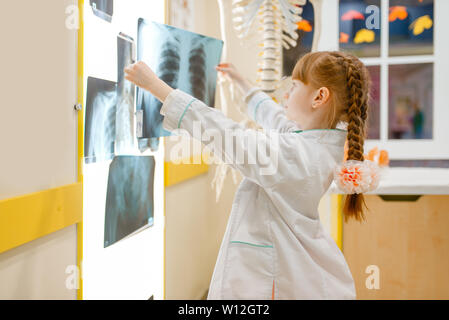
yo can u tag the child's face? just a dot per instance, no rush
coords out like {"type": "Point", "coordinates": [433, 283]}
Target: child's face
{"type": "Point", "coordinates": [299, 101]}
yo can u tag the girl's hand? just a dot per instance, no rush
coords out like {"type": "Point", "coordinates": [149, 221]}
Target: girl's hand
{"type": "Point", "coordinates": [231, 71]}
{"type": "Point", "coordinates": [141, 75]}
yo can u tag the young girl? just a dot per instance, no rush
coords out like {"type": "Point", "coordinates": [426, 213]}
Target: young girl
{"type": "Point", "coordinates": [275, 246]}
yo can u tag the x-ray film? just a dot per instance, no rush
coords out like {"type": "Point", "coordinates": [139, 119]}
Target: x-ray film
{"type": "Point", "coordinates": [145, 143]}
{"type": "Point", "coordinates": [125, 132]}
{"type": "Point", "coordinates": [103, 9]}
{"type": "Point", "coordinates": [184, 60]}
{"type": "Point", "coordinates": [129, 198]}
{"type": "Point", "coordinates": [99, 133]}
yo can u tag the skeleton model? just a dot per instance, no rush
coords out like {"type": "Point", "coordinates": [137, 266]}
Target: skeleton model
{"type": "Point", "coordinates": [277, 26]}
{"type": "Point", "coordinates": [270, 24]}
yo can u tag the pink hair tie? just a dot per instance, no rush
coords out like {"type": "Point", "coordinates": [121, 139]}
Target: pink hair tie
{"type": "Point", "coordinates": [355, 176]}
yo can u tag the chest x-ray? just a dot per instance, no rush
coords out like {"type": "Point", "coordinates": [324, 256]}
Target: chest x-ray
{"type": "Point", "coordinates": [184, 60]}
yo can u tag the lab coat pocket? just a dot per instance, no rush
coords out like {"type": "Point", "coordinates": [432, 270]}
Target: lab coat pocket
{"type": "Point", "coordinates": [249, 271]}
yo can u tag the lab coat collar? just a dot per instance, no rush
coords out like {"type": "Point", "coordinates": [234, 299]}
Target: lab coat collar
{"type": "Point", "coordinates": [329, 136]}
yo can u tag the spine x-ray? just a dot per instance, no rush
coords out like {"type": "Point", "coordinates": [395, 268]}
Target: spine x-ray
{"type": "Point", "coordinates": [129, 198]}
{"type": "Point", "coordinates": [125, 132]}
{"type": "Point", "coordinates": [99, 132]}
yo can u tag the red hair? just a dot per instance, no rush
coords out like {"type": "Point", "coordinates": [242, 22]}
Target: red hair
{"type": "Point", "coordinates": [349, 82]}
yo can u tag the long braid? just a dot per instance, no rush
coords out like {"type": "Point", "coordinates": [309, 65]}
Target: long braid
{"type": "Point", "coordinates": [355, 121]}
{"type": "Point", "coordinates": [357, 109]}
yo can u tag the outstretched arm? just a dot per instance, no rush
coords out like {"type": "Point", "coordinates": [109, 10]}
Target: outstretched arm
{"type": "Point", "coordinates": [266, 159]}
{"type": "Point", "coordinates": [261, 108]}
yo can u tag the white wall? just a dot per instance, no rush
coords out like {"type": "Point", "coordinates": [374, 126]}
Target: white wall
{"type": "Point", "coordinates": [38, 147]}
{"type": "Point", "coordinates": [37, 121]}
{"type": "Point", "coordinates": [37, 269]}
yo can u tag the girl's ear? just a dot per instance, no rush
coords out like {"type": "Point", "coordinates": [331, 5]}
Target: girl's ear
{"type": "Point", "coordinates": [321, 97]}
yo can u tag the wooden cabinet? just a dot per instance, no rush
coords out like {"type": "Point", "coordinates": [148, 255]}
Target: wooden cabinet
{"type": "Point", "coordinates": [409, 243]}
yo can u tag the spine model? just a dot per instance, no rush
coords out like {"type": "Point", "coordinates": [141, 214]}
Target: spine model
{"type": "Point", "coordinates": [271, 24]}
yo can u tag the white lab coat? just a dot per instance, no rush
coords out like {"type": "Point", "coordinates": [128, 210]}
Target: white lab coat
{"type": "Point", "coordinates": [275, 246]}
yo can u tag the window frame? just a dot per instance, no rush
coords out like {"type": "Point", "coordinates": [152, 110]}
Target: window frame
{"type": "Point", "coordinates": [406, 149]}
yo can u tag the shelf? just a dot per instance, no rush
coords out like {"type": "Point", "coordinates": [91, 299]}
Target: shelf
{"type": "Point", "coordinates": [410, 181]}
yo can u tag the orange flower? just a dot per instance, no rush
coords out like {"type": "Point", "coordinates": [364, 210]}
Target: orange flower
{"type": "Point", "coordinates": [345, 154]}
{"type": "Point", "coordinates": [344, 37]}
{"type": "Point", "coordinates": [372, 153]}
{"type": "Point", "coordinates": [397, 12]}
{"type": "Point", "coordinates": [304, 25]}
{"type": "Point", "coordinates": [383, 158]}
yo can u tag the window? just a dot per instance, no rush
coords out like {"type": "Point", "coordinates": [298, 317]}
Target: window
{"type": "Point", "coordinates": [410, 111]}
{"type": "Point", "coordinates": [374, 110]}
{"type": "Point", "coordinates": [355, 32]}
{"type": "Point", "coordinates": [305, 32]}
{"type": "Point", "coordinates": [402, 43]}
{"type": "Point", "coordinates": [410, 27]}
